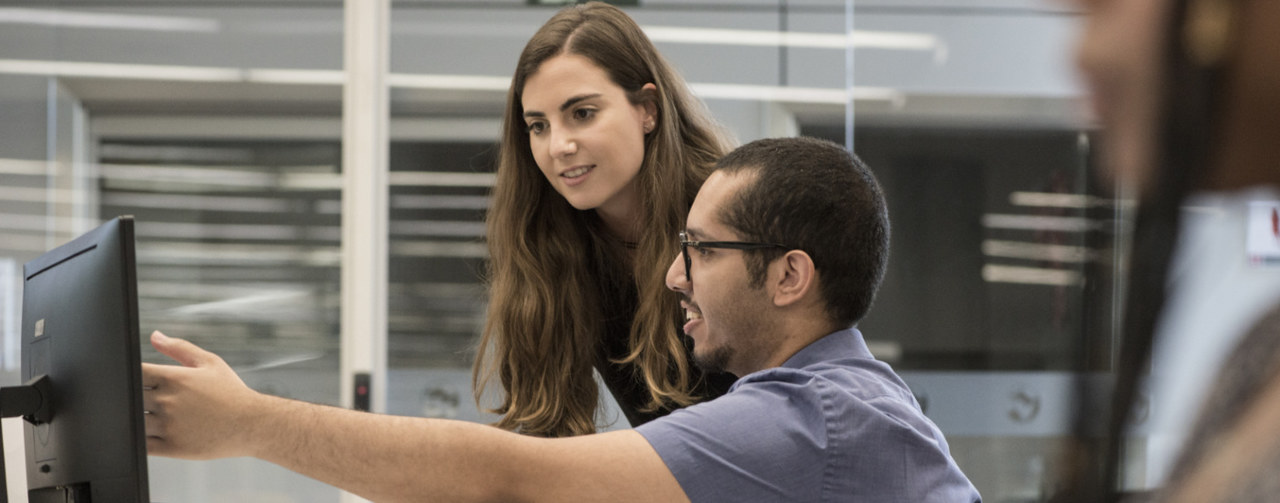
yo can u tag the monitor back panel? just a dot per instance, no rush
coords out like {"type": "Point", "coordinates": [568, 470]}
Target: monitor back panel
{"type": "Point", "coordinates": [80, 328]}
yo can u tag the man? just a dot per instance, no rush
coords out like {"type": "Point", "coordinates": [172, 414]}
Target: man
{"type": "Point", "coordinates": [785, 247]}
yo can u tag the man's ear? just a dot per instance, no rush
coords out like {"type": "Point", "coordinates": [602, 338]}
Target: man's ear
{"type": "Point", "coordinates": [794, 278]}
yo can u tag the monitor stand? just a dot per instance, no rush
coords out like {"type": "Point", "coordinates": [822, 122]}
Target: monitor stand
{"type": "Point", "coordinates": [29, 402]}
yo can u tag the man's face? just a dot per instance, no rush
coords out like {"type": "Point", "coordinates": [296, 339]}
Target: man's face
{"type": "Point", "coordinates": [726, 318]}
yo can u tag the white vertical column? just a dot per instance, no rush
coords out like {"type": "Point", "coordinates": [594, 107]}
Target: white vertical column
{"type": "Point", "coordinates": [364, 201]}
{"type": "Point", "coordinates": [364, 198]}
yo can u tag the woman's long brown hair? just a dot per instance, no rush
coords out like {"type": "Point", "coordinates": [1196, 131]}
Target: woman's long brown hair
{"type": "Point", "coordinates": [553, 268]}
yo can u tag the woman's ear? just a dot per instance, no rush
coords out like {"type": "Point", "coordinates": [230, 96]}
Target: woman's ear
{"type": "Point", "coordinates": [794, 278]}
{"type": "Point", "coordinates": [649, 95]}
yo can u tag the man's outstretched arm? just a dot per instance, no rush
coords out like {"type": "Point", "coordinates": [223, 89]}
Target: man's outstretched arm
{"type": "Point", "coordinates": [202, 410]}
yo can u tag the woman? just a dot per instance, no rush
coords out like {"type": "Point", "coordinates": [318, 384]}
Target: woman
{"type": "Point", "coordinates": [603, 150]}
{"type": "Point", "coordinates": [1186, 90]}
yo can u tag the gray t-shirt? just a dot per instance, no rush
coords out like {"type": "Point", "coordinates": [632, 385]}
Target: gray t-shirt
{"type": "Point", "coordinates": [831, 424]}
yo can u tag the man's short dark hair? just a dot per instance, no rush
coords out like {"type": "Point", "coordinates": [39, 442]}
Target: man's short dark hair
{"type": "Point", "coordinates": [813, 195]}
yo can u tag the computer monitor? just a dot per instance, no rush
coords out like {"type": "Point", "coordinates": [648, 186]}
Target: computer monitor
{"type": "Point", "coordinates": [80, 332]}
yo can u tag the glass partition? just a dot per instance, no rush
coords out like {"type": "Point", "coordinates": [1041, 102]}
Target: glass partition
{"type": "Point", "coordinates": [1001, 285]}
{"type": "Point", "coordinates": [218, 128]}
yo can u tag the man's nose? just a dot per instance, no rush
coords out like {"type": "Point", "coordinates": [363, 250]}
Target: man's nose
{"type": "Point", "coordinates": [677, 279]}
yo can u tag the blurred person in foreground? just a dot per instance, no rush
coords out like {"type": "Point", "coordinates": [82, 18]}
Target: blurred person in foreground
{"type": "Point", "coordinates": [1188, 94]}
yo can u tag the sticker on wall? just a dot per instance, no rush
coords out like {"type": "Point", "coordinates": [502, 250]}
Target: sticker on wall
{"type": "Point", "coordinates": [1263, 235]}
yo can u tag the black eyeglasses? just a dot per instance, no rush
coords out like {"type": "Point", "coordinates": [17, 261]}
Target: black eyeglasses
{"type": "Point", "coordinates": [732, 245]}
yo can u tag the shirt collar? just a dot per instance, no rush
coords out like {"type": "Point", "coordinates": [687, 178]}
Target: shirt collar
{"type": "Point", "coordinates": [839, 344]}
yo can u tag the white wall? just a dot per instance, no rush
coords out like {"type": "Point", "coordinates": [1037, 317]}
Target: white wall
{"type": "Point", "coordinates": [15, 459]}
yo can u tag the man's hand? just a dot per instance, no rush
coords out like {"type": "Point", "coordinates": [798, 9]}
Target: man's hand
{"type": "Point", "coordinates": [199, 410]}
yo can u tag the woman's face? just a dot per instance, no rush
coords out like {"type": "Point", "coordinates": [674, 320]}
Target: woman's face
{"type": "Point", "coordinates": [586, 136]}
{"type": "Point", "coordinates": [1119, 54]}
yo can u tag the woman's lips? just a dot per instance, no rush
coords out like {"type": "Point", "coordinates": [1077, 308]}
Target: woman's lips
{"type": "Point", "coordinates": [576, 175]}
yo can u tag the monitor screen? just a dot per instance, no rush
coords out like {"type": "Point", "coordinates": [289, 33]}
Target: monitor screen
{"type": "Point", "coordinates": [80, 328]}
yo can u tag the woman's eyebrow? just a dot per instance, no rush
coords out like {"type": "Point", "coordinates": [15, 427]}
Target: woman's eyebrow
{"type": "Point", "coordinates": [564, 106]}
{"type": "Point", "coordinates": [577, 99]}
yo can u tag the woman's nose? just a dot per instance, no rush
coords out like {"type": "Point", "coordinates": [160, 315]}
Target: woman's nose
{"type": "Point", "coordinates": [563, 145]}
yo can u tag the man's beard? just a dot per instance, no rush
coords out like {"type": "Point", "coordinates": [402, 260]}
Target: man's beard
{"type": "Point", "coordinates": [714, 360]}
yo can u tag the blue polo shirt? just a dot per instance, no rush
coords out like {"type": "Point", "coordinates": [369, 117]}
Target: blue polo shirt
{"type": "Point", "coordinates": [831, 424]}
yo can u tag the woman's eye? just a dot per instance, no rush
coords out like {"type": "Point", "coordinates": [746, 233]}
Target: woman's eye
{"type": "Point", "coordinates": [535, 128]}
{"type": "Point", "coordinates": [584, 113]}
{"type": "Point", "coordinates": [703, 251]}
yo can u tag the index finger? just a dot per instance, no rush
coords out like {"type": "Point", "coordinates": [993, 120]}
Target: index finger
{"type": "Point", "coordinates": [154, 375]}
{"type": "Point", "coordinates": [182, 351]}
